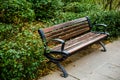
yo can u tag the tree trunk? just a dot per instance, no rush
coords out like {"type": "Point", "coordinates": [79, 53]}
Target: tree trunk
{"type": "Point", "coordinates": [111, 2]}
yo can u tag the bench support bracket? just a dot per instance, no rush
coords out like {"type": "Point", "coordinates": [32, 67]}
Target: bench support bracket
{"type": "Point", "coordinates": [102, 44]}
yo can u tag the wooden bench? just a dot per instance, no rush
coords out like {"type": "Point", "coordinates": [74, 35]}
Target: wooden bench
{"type": "Point", "coordinates": [73, 35]}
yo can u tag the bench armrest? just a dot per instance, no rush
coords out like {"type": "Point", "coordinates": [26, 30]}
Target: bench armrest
{"type": "Point", "coordinates": [100, 26]}
{"type": "Point", "coordinates": [104, 25]}
{"type": "Point", "coordinates": [62, 42]}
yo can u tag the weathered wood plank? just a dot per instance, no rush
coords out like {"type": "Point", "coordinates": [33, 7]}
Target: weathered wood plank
{"type": "Point", "coordinates": [81, 41]}
{"type": "Point", "coordinates": [85, 43]}
{"type": "Point", "coordinates": [64, 24]}
{"type": "Point", "coordinates": [74, 26]}
{"type": "Point", "coordinates": [67, 32]}
{"type": "Point", "coordinates": [74, 34]}
{"type": "Point", "coordinates": [75, 40]}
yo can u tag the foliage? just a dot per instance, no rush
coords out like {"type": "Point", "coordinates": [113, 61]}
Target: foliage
{"type": "Point", "coordinates": [16, 11]}
{"type": "Point", "coordinates": [8, 30]}
{"type": "Point", "coordinates": [71, 0]}
{"type": "Point", "coordinates": [108, 4]}
{"type": "Point", "coordinates": [78, 7]}
{"type": "Point", "coordinates": [112, 19]}
{"type": "Point", "coordinates": [20, 56]}
{"type": "Point", "coordinates": [45, 9]}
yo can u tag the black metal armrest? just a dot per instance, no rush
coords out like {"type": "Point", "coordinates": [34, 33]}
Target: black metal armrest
{"type": "Point", "coordinates": [104, 27]}
{"type": "Point", "coordinates": [62, 42]}
{"type": "Point", "coordinates": [100, 25]}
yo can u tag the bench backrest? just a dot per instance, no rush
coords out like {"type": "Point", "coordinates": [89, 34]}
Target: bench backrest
{"type": "Point", "coordinates": [66, 30]}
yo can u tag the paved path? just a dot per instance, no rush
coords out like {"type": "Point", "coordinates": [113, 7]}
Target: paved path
{"type": "Point", "coordinates": [94, 66]}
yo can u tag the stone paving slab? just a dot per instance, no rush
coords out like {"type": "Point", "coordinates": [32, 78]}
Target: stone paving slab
{"type": "Point", "coordinates": [96, 76]}
{"type": "Point", "coordinates": [107, 71]}
{"type": "Point", "coordinates": [86, 65]}
{"type": "Point", "coordinates": [95, 66]}
{"type": "Point", "coordinates": [110, 70]}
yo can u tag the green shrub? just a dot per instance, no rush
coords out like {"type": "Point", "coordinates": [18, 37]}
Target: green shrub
{"type": "Point", "coordinates": [8, 30]}
{"type": "Point", "coordinates": [16, 11]}
{"type": "Point", "coordinates": [78, 7]}
{"type": "Point", "coordinates": [20, 56]}
{"type": "Point", "coordinates": [45, 9]}
{"type": "Point", "coordinates": [21, 52]}
{"type": "Point", "coordinates": [111, 18]}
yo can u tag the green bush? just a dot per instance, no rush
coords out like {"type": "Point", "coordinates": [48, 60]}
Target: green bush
{"type": "Point", "coordinates": [45, 9]}
{"type": "Point", "coordinates": [20, 56]}
{"type": "Point", "coordinates": [8, 30]}
{"type": "Point", "coordinates": [111, 18]}
{"type": "Point", "coordinates": [16, 11]}
{"type": "Point", "coordinates": [63, 17]}
{"type": "Point", "coordinates": [21, 52]}
{"type": "Point", "coordinates": [78, 7]}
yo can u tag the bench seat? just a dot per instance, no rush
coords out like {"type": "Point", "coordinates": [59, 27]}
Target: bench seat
{"type": "Point", "coordinates": [80, 42]}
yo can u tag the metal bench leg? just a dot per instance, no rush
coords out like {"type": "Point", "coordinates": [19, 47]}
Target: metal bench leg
{"type": "Point", "coordinates": [65, 74]}
{"type": "Point", "coordinates": [102, 44]}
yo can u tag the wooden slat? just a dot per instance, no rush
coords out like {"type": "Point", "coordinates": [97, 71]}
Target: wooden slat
{"type": "Point", "coordinates": [64, 24]}
{"type": "Point", "coordinates": [87, 42]}
{"type": "Point", "coordinates": [80, 25]}
{"type": "Point", "coordinates": [75, 33]}
{"type": "Point", "coordinates": [65, 32]}
{"type": "Point", "coordinates": [70, 35]}
{"type": "Point", "coordinates": [77, 39]}
{"type": "Point", "coordinates": [81, 41]}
